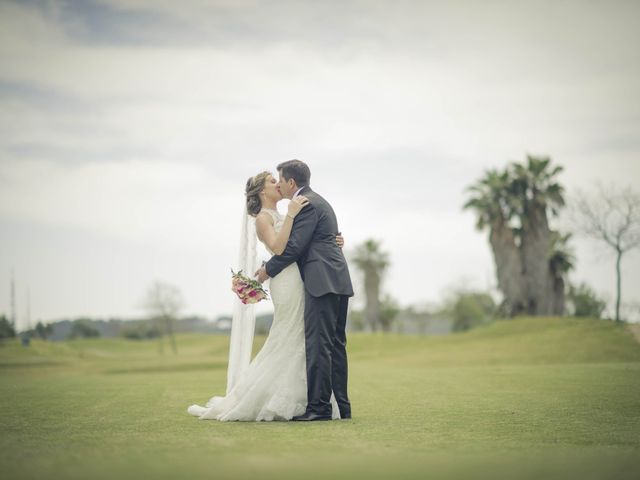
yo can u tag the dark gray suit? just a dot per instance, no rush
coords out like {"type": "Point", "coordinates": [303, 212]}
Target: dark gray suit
{"type": "Point", "coordinates": [324, 270]}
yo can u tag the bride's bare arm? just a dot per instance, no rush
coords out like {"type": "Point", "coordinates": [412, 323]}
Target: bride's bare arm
{"type": "Point", "coordinates": [276, 242]}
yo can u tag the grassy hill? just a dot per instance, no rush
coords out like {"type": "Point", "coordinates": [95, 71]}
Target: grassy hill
{"type": "Point", "coordinates": [558, 398]}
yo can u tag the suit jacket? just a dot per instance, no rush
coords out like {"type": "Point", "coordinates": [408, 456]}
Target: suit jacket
{"type": "Point", "coordinates": [312, 244]}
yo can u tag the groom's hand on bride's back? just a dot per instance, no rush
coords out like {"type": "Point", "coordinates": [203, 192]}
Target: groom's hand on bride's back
{"type": "Point", "coordinates": [261, 274]}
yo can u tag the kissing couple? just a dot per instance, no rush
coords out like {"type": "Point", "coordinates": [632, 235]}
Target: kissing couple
{"type": "Point", "coordinates": [300, 373]}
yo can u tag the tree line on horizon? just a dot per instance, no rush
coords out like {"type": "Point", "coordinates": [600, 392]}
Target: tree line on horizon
{"type": "Point", "coordinates": [516, 205]}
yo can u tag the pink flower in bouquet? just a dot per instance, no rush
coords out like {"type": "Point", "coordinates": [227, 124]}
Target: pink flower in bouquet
{"type": "Point", "coordinates": [248, 290]}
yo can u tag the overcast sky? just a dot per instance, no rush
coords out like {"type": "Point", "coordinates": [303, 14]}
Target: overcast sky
{"type": "Point", "coordinates": [128, 129]}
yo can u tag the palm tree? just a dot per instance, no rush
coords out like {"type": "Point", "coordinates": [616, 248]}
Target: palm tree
{"type": "Point", "coordinates": [494, 208]}
{"type": "Point", "coordinates": [561, 261]}
{"type": "Point", "coordinates": [515, 205]}
{"type": "Point", "coordinates": [535, 192]}
{"type": "Point", "coordinates": [373, 262]}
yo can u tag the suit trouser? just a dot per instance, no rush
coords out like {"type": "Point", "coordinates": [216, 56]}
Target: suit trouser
{"type": "Point", "coordinates": [325, 320]}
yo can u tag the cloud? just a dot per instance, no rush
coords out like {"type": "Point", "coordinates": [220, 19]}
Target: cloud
{"type": "Point", "coordinates": [509, 90]}
{"type": "Point", "coordinates": [137, 201]}
{"type": "Point", "coordinates": [139, 121]}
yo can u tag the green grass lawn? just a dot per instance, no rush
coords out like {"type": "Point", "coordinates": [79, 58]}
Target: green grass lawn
{"type": "Point", "coordinates": [528, 398]}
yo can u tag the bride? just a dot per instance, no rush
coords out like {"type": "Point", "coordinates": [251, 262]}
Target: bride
{"type": "Point", "coordinates": [274, 385]}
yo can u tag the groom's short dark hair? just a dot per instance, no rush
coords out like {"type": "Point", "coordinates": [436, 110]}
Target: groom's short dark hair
{"type": "Point", "coordinates": [296, 169]}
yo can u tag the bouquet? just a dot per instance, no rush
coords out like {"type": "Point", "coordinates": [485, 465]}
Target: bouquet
{"type": "Point", "coordinates": [247, 289]}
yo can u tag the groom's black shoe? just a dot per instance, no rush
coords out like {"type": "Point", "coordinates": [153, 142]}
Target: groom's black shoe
{"type": "Point", "coordinates": [310, 417]}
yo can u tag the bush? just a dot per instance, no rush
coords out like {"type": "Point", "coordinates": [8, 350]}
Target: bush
{"type": "Point", "coordinates": [355, 321]}
{"type": "Point", "coordinates": [469, 309]}
{"type": "Point", "coordinates": [389, 310]}
{"type": "Point", "coordinates": [141, 332]}
{"type": "Point", "coordinates": [83, 329]}
{"type": "Point", "coordinates": [585, 302]}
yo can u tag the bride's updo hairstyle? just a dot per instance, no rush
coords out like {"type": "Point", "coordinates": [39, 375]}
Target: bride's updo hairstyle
{"type": "Point", "coordinates": [255, 185]}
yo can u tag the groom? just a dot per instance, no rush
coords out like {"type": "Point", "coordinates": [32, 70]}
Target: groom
{"type": "Point", "coordinates": [328, 287]}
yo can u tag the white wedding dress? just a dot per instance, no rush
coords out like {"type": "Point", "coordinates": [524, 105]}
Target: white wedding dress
{"type": "Point", "coordinates": [274, 386]}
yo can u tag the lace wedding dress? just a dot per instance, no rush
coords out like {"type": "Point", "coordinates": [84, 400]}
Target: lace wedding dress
{"type": "Point", "coordinates": [274, 386]}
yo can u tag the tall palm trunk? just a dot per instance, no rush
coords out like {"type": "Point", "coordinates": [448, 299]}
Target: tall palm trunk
{"type": "Point", "coordinates": [525, 193]}
{"type": "Point", "coordinates": [557, 293]}
{"type": "Point", "coordinates": [508, 267]}
{"type": "Point", "coordinates": [536, 248]}
{"type": "Point", "coordinates": [372, 291]}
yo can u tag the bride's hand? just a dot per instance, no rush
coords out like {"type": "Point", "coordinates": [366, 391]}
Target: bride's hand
{"type": "Point", "coordinates": [340, 240]}
{"type": "Point", "coordinates": [297, 204]}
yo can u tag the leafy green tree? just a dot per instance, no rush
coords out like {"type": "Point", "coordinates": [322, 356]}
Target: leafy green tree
{"type": "Point", "coordinates": [6, 328]}
{"type": "Point", "coordinates": [43, 331]}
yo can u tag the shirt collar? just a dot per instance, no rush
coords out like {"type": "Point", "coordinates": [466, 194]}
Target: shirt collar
{"type": "Point", "coordinates": [297, 192]}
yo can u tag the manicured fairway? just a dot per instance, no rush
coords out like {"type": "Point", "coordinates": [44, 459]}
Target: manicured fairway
{"type": "Point", "coordinates": [527, 398]}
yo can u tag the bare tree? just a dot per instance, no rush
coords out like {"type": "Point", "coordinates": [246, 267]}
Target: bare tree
{"type": "Point", "coordinates": [611, 216]}
{"type": "Point", "coordinates": [163, 302]}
